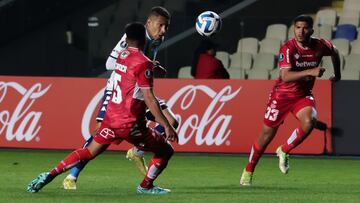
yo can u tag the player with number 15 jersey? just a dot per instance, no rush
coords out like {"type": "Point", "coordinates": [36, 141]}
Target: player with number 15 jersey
{"type": "Point", "coordinates": [127, 105]}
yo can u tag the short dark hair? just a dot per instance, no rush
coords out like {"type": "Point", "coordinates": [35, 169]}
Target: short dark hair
{"type": "Point", "coordinates": [160, 11]}
{"type": "Point", "coordinates": [304, 18]}
{"type": "Point", "coordinates": [135, 31]}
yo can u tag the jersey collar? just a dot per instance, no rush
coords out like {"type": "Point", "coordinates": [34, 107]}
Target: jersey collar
{"type": "Point", "coordinates": [134, 48]}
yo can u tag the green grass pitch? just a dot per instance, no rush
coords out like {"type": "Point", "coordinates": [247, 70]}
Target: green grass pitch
{"type": "Point", "coordinates": [191, 177]}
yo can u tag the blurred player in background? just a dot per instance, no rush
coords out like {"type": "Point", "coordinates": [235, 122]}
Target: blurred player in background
{"type": "Point", "coordinates": [125, 117]}
{"type": "Point", "coordinates": [299, 61]}
{"type": "Point", "coordinates": [156, 27]}
{"type": "Point", "coordinates": [205, 64]}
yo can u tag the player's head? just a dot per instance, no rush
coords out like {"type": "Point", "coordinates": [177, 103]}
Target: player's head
{"type": "Point", "coordinates": [303, 28]}
{"type": "Point", "coordinates": [157, 22]}
{"type": "Point", "coordinates": [135, 34]}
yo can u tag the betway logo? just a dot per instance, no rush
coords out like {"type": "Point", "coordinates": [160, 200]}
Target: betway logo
{"type": "Point", "coordinates": [212, 119]}
{"type": "Point", "coordinates": [21, 123]}
{"type": "Point", "coordinates": [306, 64]}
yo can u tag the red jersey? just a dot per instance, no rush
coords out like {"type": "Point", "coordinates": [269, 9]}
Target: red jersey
{"type": "Point", "coordinates": [298, 59]}
{"type": "Point", "coordinates": [126, 107]}
{"type": "Point", "coordinates": [209, 67]}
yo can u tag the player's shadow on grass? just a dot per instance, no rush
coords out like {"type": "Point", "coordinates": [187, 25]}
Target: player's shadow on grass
{"type": "Point", "coordinates": [221, 189]}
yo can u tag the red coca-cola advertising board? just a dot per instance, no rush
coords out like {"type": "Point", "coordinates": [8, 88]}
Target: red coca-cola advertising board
{"type": "Point", "coordinates": [215, 115]}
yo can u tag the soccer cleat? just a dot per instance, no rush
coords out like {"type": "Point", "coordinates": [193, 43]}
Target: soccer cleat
{"type": "Point", "coordinates": [69, 184]}
{"type": "Point", "coordinates": [39, 182]}
{"type": "Point", "coordinates": [283, 160]}
{"type": "Point", "coordinates": [138, 160]}
{"type": "Point", "coordinates": [246, 178]}
{"type": "Point", "coordinates": [152, 191]}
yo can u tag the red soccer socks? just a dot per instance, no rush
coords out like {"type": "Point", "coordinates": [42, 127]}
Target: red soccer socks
{"type": "Point", "coordinates": [71, 160]}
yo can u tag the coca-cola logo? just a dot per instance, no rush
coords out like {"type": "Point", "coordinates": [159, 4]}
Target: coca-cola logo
{"type": "Point", "coordinates": [218, 131]}
{"type": "Point", "coordinates": [193, 126]}
{"type": "Point", "coordinates": [21, 123]}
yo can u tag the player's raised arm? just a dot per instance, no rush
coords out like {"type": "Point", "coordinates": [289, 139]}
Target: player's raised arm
{"type": "Point", "coordinates": [111, 60]}
{"type": "Point", "coordinates": [154, 107]}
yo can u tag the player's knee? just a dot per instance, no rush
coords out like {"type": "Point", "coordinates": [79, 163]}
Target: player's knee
{"type": "Point", "coordinates": [267, 134]}
{"type": "Point", "coordinates": [308, 124]}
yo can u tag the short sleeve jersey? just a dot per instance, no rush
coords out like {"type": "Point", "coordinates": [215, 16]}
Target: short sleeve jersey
{"type": "Point", "coordinates": [133, 72]}
{"type": "Point", "coordinates": [298, 58]}
{"type": "Point", "coordinates": [150, 50]}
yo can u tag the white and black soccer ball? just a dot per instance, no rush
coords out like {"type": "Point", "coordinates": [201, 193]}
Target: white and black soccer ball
{"type": "Point", "coordinates": [208, 23]}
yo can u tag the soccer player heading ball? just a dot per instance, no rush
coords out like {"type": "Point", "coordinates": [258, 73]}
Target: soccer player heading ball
{"type": "Point", "coordinates": [299, 61]}
{"type": "Point", "coordinates": [156, 27]}
{"type": "Point", "coordinates": [133, 84]}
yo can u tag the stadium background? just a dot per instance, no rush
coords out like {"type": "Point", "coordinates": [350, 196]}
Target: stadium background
{"type": "Point", "coordinates": [52, 56]}
{"type": "Point", "coordinates": [74, 38]}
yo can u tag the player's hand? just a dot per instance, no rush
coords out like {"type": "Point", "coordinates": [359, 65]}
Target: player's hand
{"type": "Point", "coordinates": [171, 134]}
{"type": "Point", "coordinates": [159, 70]}
{"type": "Point", "coordinates": [334, 79]}
{"type": "Point", "coordinates": [156, 63]}
{"type": "Point", "coordinates": [317, 72]}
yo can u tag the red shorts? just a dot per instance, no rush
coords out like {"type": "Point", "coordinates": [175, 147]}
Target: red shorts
{"type": "Point", "coordinates": [143, 138]}
{"type": "Point", "coordinates": [278, 108]}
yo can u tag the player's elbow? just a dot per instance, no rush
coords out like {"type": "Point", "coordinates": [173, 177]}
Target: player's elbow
{"type": "Point", "coordinates": [284, 77]}
{"type": "Point", "coordinates": [110, 63]}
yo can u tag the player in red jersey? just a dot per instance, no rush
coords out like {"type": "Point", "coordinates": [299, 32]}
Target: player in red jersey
{"type": "Point", "coordinates": [299, 61]}
{"type": "Point", "coordinates": [125, 117]}
{"type": "Point", "coordinates": [156, 26]}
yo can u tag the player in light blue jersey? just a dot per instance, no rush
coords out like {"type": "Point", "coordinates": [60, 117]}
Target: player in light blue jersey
{"type": "Point", "coordinates": [156, 26]}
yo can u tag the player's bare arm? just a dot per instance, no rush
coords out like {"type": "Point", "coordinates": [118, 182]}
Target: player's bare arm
{"type": "Point", "coordinates": [154, 107]}
{"type": "Point", "coordinates": [288, 75]}
{"type": "Point", "coordinates": [336, 64]}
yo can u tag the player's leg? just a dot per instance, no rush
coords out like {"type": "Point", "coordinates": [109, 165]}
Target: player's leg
{"type": "Point", "coordinates": [258, 148]}
{"type": "Point", "coordinates": [68, 162]}
{"type": "Point", "coordinates": [307, 119]}
{"type": "Point", "coordinates": [151, 140]}
{"type": "Point", "coordinates": [276, 111]}
{"type": "Point", "coordinates": [136, 155]}
{"type": "Point", "coordinates": [69, 183]}
{"type": "Point", "coordinates": [156, 165]}
{"type": "Point", "coordinates": [305, 112]}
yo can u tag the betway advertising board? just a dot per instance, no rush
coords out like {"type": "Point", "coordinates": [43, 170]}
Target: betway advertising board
{"type": "Point", "coordinates": [214, 115]}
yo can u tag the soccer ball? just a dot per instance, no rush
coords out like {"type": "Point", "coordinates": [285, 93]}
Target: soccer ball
{"type": "Point", "coordinates": [208, 23]}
